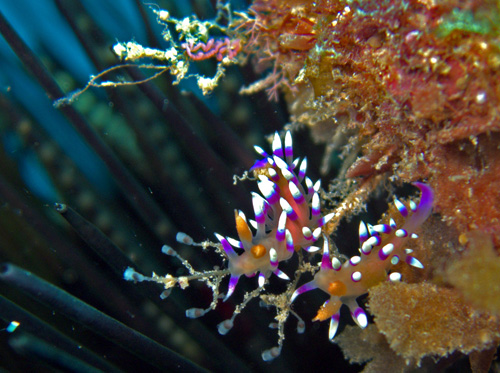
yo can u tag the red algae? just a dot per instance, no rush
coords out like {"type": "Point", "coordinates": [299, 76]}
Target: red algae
{"type": "Point", "coordinates": [471, 170]}
{"type": "Point", "coordinates": [415, 85]}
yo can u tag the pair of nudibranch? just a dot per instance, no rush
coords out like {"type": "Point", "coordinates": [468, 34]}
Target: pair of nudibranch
{"type": "Point", "coordinates": [288, 219]}
{"type": "Point", "coordinates": [285, 223]}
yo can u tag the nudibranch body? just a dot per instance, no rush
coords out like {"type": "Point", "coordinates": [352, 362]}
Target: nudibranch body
{"type": "Point", "coordinates": [284, 222]}
{"type": "Point", "coordinates": [381, 247]}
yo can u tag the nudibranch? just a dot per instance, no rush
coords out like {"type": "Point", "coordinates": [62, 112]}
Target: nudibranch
{"type": "Point", "coordinates": [287, 216]}
{"type": "Point", "coordinates": [381, 247]}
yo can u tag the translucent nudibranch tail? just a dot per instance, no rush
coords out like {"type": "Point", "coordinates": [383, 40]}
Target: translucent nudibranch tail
{"type": "Point", "coordinates": [381, 247]}
{"type": "Point", "coordinates": [287, 216]}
